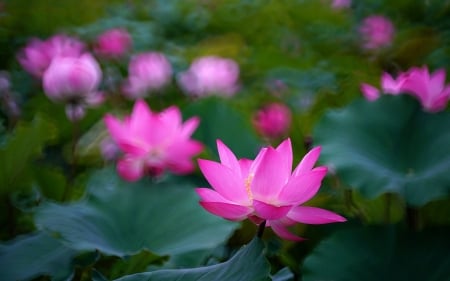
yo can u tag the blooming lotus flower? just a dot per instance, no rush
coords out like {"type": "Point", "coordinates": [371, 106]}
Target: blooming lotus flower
{"type": "Point", "coordinates": [153, 142]}
{"type": "Point", "coordinates": [389, 85]}
{"type": "Point", "coordinates": [377, 32]}
{"type": "Point", "coordinates": [147, 72]}
{"type": "Point", "coordinates": [73, 81]}
{"type": "Point", "coordinates": [113, 43]}
{"type": "Point", "coordinates": [273, 120]}
{"type": "Point", "coordinates": [210, 75]}
{"type": "Point", "coordinates": [265, 189]}
{"type": "Point", "coordinates": [430, 89]}
{"type": "Point", "coordinates": [36, 57]}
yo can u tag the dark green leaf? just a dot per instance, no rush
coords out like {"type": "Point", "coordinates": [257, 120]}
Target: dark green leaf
{"type": "Point", "coordinates": [248, 264]}
{"type": "Point", "coordinates": [34, 255]}
{"type": "Point", "coordinates": [121, 218]}
{"type": "Point", "coordinates": [390, 145]}
{"type": "Point", "coordinates": [380, 254]}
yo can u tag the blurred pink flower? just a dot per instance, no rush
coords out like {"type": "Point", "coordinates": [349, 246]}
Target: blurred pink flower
{"type": "Point", "coordinates": [265, 189]}
{"type": "Point", "coordinates": [273, 120]}
{"type": "Point", "coordinates": [340, 4]}
{"type": "Point", "coordinates": [74, 81]}
{"type": "Point", "coordinates": [36, 57]}
{"type": "Point", "coordinates": [153, 142]}
{"type": "Point", "coordinates": [210, 75]}
{"type": "Point", "coordinates": [369, 92]}
{"type": "Point", "coordinates": [147, 72]}
{"type": "Point", "coordinates": [113, 43]}
{"type": "Point", "coordinates": [430, 89]}
{"type": "Point", "coordinates": [377, 32]}
{"type": "Point", "coordinates": [389, 85]}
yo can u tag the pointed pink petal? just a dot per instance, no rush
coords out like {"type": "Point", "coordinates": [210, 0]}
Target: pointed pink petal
{"type": "Point", "coordinates": [270, 212]}
{"type": "Point", "coordinates": [210, 195]}
{"type": "Point", "coordinates": [281, 231]}
{"type": "Point", "coordinates": [308, 161]}
{"type": "Point", "coordinates": [312, 215]}
{"type": "Point", "coordinates": [225, 181]}
{"type": "Point", "coordinates": [227, 157]}
{"type": "Point", "coordinates": [303, 187]}
{"type": "Point", "coordinates": [437, 81]}
{"type": "Point", "coordinates": [285, 150]}
{"type": "Point", "coordinates": [114, 126]}
{"type": "Point", "coordinates": [130, 169]}
{"type": "Point", "coordinates": [245, 165]}
{"type": "Point", "coordinates": [369, 92]}
{"type": "Point", "coordinates": [189, 127]}
{"type": "Point", "coordinates": [391, 86]}
{"type": "Point", "coordinates": [226, 210]}
{"type": "Point", "coordinates": [270, 176]}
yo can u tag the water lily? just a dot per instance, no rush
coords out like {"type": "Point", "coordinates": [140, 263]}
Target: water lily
{"type": "Point", "coordinates": [74, 81]}
{"type": "Point", "coordinates": [113, 43]}
{"type": "Point", "coordinates": [210, 75]}
{"type": "Point", "coordinates": [273, 120]}
{"type": "Point", "coordinates": [153, 142]}
{"type": "Point", "coordinates": [429, 88]}
{"type": "Point", "coordinates": [147, 72]}
{"type": "Point", "coordinates": [265, 189]}
{"type": "Point", "coordinates": [377, 31]}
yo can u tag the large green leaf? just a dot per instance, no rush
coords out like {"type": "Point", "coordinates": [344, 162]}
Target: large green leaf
{"type": "Point", "coordinates": [219, 120]}
{"type": "Point", "coordinates": [34, 255]}
{"type": "Point", "coordinates": [248, 264]}
{"type": "Point", "coordinates": [23, 146]}
{"type": "Point", "coordinates": [390, 145]}
{"type": "Point", "coordinates": [380, 254]}
{"type": "Point", "coordinates": [121, 218]}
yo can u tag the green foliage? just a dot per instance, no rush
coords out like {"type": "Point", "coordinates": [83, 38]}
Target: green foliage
{"type": "Point", "coordinates": [390, 145]}
{"type": "Point", "coordinates": [19, 152]}
{"type": "Point", "coordinates": [248, 264]}
{"type": "Point", "coordinates": [380, 253]}
{"type": "Point", "coordinates": [121, 218]}
{"type": "Point", "coordinates": [34, 255]}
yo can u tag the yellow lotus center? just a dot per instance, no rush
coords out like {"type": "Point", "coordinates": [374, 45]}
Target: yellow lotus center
{"type": "Point", "coordinates": [247, 184]}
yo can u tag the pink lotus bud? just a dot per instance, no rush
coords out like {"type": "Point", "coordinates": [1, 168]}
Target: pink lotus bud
{"type": "Point", "coordinates": [369, 92]}
{"type": "Point", "coordinates": [210, 75]}
{"type": "Point", "coordinates": [273, 120]}
{"type": "Point", "coordinates": [70, 79]}
{"type": "Point", "coordinates": [147, 72]}
{"type": "Point", "coordinates": [113, 43]}
{"type": "Point", "coordinates": [377, 32]}
{"type": "Point", "coordinates": [36, 57]}
{"type": "Point", "coordinates": [341, 4]}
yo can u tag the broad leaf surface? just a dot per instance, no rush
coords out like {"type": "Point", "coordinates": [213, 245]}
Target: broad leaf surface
{"type": "Point", "coordinates": [374, 254]}
{"type": "Point", "coordinates": [248, 264]}
{"type": "Point", "coordinates": [121, 218]}
{"type": "Point", "coordinates": [221, 121]}
{"type": "Point", "coordinates": [390, 145]}
{"type": "Point", "coordinates": [34, 255]}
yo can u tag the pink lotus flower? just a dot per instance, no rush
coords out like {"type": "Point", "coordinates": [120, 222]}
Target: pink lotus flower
{"type": "Point", "coordinates": [377, 32]}
{"type": "Point", "coordinates": [37, 55]}
{"type": "Point", "coordinates": [273, 121]}
{"type": "Point", "coordinates": [265, 189]}
{"type": "Point", "coordinates": [210, 75]}
{"type": "Point", "coordinates": [430, 89]}
{"type": "Point", "coordinates": [73, 81]}
{"type": "Point", "coordinates": [153, 142]}
{"type": "Point", "coordinates": [113, 43]}
{"type": "Point", "coordinates": [389, 85]}
{"type": "Point", "coordinates": [147, 72]}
